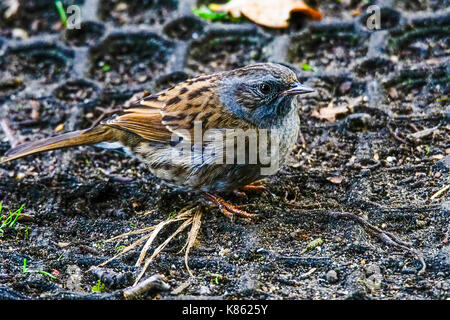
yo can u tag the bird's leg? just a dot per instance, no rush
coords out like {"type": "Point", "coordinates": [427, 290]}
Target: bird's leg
{"type": "Point", "coordinates": [227, 209]}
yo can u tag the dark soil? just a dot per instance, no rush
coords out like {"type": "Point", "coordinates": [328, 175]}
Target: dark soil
{"type": "Point", "coordinates": [375, 159]}
{"type": "Point", "coordinates": [151, 12]}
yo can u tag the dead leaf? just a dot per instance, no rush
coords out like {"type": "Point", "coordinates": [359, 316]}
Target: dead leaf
{"type": "Point", "coordinates": [329, 113]}
{"type": "Point", "coordinates": [336, 179]}
{"type": "Point", "coordinates": [268, 13]}
{"type": "Point", "coordinates": [356, 12]}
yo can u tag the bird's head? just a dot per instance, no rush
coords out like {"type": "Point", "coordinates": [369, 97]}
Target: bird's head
{"type": "Point", "coordinates": [262, 93]}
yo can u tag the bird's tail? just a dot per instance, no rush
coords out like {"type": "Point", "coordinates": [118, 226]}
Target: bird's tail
{"type": "Point", "coordinates": [70, 139]}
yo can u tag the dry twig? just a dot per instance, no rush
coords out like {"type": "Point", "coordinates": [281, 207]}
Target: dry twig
{"type": "Point", "coordinates": [385, 236]}
{"type": "Point", "coordinates": [396, 137]}
{"type": "Point", "coordinates": [189, 215]}
{"type": "Point", "coordinates": [9, 133]}
{"type": "Point", "coordinates": [155, 282]}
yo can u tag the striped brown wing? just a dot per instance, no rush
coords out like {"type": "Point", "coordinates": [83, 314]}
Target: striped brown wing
{"type": "Point", "coordinates": [143, 121]}
{"type": "Point", "coordinates": [175, 110]}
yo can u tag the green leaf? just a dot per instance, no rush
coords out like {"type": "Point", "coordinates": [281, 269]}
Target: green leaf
{"type": "Point", "coordinates": [315, 243]}
{"type": "Point", "coordinates": [307, 67]}
{"type": "Point", "coordinates": [206, 13]}
{"type": "Point", "coordinates": [99, 287]}
{"type": "Point", "coordinates": [47, 274]}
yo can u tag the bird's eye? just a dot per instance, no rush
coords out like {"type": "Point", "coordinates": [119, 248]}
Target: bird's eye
{"type": "Point", "coordinates": [265, 88]}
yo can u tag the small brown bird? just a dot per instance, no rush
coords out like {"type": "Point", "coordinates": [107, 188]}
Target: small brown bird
{"type": "Point", "coordinates": [199, 134]}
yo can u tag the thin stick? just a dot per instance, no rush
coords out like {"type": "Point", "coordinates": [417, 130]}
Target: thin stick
{"type": "Point", "coordinates": [131, 233]}
{"type": "Point", "coordinates": [155, 282]}
{"type": "Point", "coordinates": [441, 191]}
{"type": "Point", "coordinates": [150, 240]}
{"type": "Point", "coordinates": [161, 247]}
{"type": "Point", "coordinates": [395, 135]}
{"type": "Point", "coordinates": [126, 249]}
{"type": "Point", "coordinates": [384, 236]}
{"type": "Point", "coordinates": [196, 223]}
{"type": "Point", "coordinates": [155, 232]}
{"type": "Point", "coordinates": [9, 133]}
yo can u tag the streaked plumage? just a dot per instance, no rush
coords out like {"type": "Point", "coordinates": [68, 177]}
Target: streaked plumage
{"type": "Point", "coordinates": [259, 96]}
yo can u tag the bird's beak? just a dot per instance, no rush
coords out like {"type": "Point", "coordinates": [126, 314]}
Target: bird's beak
{"type": "Point", "coordinates": [297, 88]}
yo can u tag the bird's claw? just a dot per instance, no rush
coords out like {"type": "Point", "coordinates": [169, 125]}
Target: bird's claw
{"type": "Point", "coordinates": [257, 186]}
{"type": "Point", "coordinates": [228, 209]}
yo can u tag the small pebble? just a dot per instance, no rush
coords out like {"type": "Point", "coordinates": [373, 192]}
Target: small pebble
{"type": "Point", "coordinates": [63, 244]}
{"type": "Point", "coordinates": [19, 33]}
{"type": "Point", "coordinates": [332, 276]}
{"type": "Point", "coordinates": [393, 93]}
{"type": "Point", "coordinates": [391, 159]}
{"type": "Point", "coordinates": [224, 252]}
{"type": "Point", "coordinates": [372, 269]}
{"type": "Point", "coordinates": [345, 87]}
{"type": "Point", "coordinates": [20, 176]}
{"type": "Point", "coordinates": [204, 291]}
{"type": "Point", "coordinates": [121, 6]}
{"type": "Point", "coordinates": [373, 283]}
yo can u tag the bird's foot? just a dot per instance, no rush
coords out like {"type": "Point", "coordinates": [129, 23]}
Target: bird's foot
{"type": "Point", "coordinates": [228, 209]}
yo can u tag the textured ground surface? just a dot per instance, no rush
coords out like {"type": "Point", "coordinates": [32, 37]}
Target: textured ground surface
{"type": "Point", "coordinates": [374, 160]}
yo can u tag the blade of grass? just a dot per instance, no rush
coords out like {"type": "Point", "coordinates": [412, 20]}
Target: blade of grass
{"type": "Point", "coordinates": [47, 274]}
{"type": "Point", "coordinates": [26, 270]}
{"type": "Point", "coordinates": [17, 213]}
{"type": "Point", "coordinates": [62, 12]}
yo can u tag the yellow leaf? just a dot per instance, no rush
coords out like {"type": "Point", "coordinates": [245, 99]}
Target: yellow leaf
{"type": "Point", "coordinates": [268, 13]}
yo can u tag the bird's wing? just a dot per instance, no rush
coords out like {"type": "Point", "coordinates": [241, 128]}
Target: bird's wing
{"type": "Point", "coordinates": [174, 111]}
{"type": "Point", "coordinates": [143, 120]}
